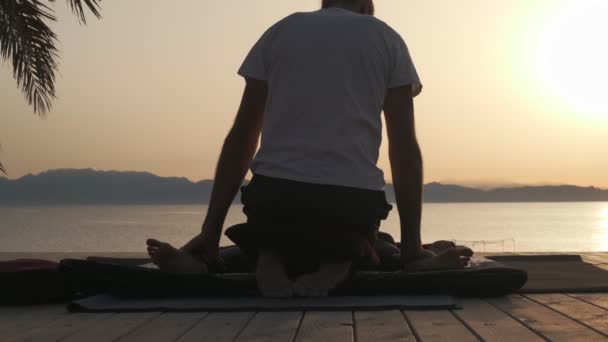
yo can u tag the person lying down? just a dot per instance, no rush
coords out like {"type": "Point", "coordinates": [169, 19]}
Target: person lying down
{"type": "Point", "coordinates": [316, 84]}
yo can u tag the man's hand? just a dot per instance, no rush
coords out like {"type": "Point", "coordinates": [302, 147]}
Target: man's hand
{"type": "Point", "coordinates": [409, 257]}
{"type": "Point", "coordinates": [205, 246]}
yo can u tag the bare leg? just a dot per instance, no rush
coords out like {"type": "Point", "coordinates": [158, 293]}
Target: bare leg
{"type": "Point", "coordinates": [173, 260]}
{"type": "Point", "coordinates": [327, 278]}
{"type": "Point", "coordinates": [271, 277]}
{"type": "Point", "coordinates": [452, 258]}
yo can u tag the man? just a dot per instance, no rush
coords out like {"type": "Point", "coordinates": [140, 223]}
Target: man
{"type": "Point", "coordinates": [316, 84]}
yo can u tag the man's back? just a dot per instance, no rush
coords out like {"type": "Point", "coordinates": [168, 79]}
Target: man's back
{"type": "Point", "coordinates": [327, 72]}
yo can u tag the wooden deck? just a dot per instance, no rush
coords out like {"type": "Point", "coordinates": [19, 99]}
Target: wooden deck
{"type": "Point", "coordinates": [554, 317]}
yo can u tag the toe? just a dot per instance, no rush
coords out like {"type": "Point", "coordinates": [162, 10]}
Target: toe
{"type": "Point", "coordinates": [446, 244]}
{"type": "Point", "coordinates": [167, 250]}
{"type": "Point", "coordinates": [466, 251]}
{"type": "Point", "coordinates": [461, 251]}
{"type": "Point", "coordinates": [153, 243]}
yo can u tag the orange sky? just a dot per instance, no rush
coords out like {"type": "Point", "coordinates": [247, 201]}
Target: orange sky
{"type": "Point", "coordinates": [512, 88]}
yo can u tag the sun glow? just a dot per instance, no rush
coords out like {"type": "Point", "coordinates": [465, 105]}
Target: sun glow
{"type": "Point", "coordinates": [604, 220]}
{"type": "Point", "coordinates": [605, 214]}
{"type": "Point", "coordinates": [571, 57]}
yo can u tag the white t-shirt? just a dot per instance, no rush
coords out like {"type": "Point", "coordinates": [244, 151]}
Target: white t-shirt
{"type": "Point", "coordinates": [327, 72]}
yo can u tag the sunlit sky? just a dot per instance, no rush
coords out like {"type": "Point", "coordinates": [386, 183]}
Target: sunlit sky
{"type": "Point", "coordinates": [515, 90]}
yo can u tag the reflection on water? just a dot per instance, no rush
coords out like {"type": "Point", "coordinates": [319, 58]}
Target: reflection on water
{"type": "Point", "coordinates": [604, 228]}
{"type": "Point", "coordinates": [605, 213]}
{"type": "Point", "coordinates": [521, 227]}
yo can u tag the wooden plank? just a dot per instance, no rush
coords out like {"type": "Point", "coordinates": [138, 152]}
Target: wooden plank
{"type": "Point", "coordinates": [218, 327]}
{"type": "Point", "coordinates": [601, 257]}
{"type": "Point", "coordinates": [166, 327]}
{"type": "Point", "coordinates": [595, 259]}
{"type": "Point", "coordinates": [60, 328]}
{"type": "Point", "coordinates": [602, 266]}
{"type": "Point", "coordinates": [12, 326]}
{"type": "Point", "coordinates": [438, 326]}
{"type": "Point", "coordinates": [112, 328]}
{"type": "Point", "coordinates": [8, 312]}
{"type": "Point", "coordinates": [545, 321]}
{"type": "Point", "coordinates": [10, 315]}
{"type": "Point", "coordinates": [371, 326]}
{"type": "Point", "coordinates": [578, 310]}
{"type": "Point", "coordinates": [326, 326]}
{"type": "Point", "coordinates": [492, 324]}
{"type": "Point", "coordinates": [272, 326]}
{"type": "Point", "coordinates": [589, 260]}
{"type": "Point", "coordinates": [599, 299]}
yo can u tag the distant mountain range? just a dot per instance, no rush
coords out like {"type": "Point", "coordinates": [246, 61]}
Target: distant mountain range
{"type": "Point", "coordinates": [87, 186]}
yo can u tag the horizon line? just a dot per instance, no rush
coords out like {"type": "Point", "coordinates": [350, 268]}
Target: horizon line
{"type": "Point", "coordinates": [480, 185]}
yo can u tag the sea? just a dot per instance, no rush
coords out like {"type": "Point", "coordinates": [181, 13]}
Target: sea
{"type": "Point", "coordinates": [486, 227]}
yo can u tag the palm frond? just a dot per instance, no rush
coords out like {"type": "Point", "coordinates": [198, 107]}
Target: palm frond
{"type": "Point", "coordinates": [2, 169]}
{"type": "Point", "coordinates": [78, 9]}
{"type": "Point", "coordinates": [28, 42]}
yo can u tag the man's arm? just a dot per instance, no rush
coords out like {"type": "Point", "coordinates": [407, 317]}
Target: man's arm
{"type": "Point", "coordinates": [239, 148]}
{"type": "Point", "coordinates": [406, 167]}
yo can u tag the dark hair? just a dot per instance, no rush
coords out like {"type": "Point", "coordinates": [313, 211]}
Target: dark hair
{"type": "Point", "coordinates": [330, 3]}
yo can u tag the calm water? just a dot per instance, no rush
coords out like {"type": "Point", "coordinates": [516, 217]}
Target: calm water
{"type": "Point", "coordinates": [532, 227]}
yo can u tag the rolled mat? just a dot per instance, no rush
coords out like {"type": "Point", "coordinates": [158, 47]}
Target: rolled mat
{"type": "Point", "coordinates": [484, 278]}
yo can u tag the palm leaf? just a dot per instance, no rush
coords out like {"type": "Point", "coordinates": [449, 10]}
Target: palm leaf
{"type": "Point", "coordinates": [2, 169]}
{"type": "Point", "coordinates": [28, 42]}
{"type": "Point", "coordinates": [78, 9]}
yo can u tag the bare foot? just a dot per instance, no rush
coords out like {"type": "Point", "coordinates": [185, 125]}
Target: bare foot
{"type": "Point", "coordinates": [271, 277]}
{"type": "Point", "coordinates": [453, 258]}
{"type": "Point", "coordinates": [318, 284]}
{"type": "Point", "coordinates": [439, 247]}
{"type": "Point", "coordinates": [172, 260]}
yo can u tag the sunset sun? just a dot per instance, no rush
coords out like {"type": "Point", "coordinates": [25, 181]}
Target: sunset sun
{"type": "Point", "coordinates": [570, 57]}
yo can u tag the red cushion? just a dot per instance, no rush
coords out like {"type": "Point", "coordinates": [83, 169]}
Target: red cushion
{"type": "Point", "coordinates": [21, 265]}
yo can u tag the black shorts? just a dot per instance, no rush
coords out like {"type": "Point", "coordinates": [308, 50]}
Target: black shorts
{"type": "Point", "coordinates": [307, 223]}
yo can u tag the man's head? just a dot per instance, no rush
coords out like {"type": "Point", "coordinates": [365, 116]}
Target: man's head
{"type": "Point", "coordinates": [359, 6]}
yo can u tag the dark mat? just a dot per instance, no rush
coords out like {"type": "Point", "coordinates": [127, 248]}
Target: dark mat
{"type": "Point", "coordinates": [484, 279]}
{"type": "Point", "coordinates": [557, 273]}
{"type": "Point", "coordinates": [121, 261]}
{"type": "Point", "coordinates": [109, 303]}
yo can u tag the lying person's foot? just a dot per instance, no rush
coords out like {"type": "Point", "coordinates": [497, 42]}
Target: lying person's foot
{"type": "Point", "coordinates": [320, 283]}
{"type": "Point", "coordinates": [453, 258]}
{"type": "Point", "coordinates": [173, 260]}
{"type": "Point", "coordinates": [271, 276]}
{"type": "Point", "coordinates": [440, 246]}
